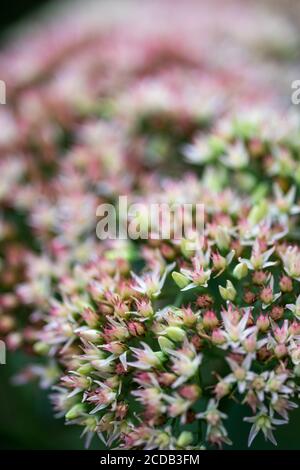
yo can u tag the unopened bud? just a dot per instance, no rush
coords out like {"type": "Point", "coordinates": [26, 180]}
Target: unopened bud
{"type": "Point", "coordinates": [85, 369]}
{"type": "Point", "coordinates": [145, 309]}
{"type": "Point", "coordinates": [217, 337]}
{"type": "Point", "coordinates": [175, 333]}
{"type": "Point", "coordinates": [210, 320]}
{"type": "Point", "coordinates": [190, 392]}
{"type": "Point", "coordinates": [180, 279]}
{"type": "Point", "coordinates": [266, 295]}
{"type": "Point", "coordinates": [258, 212]}
{"type": "Point", "coordinates": [263, 323]}
{"type": "Point", "coordinates": [286, 284]}
{"type": "Point", "coordinates": [41, 348]}
{"type": "Point", "coordinates": [240, 271]}
{"type": "Point", "coordinates": [259, 277]}
{"type": "Point", "coordinates": [277, 312]}
{"type": "Point", "coordinates": [222, 238]}
{"type": "Point", "coordinates": [76, 411]}
{"type": "Point", "coordinates": [250, 344]}
{"type": "Point", "coordinates": [219, 262]}
{"type": "Point", "coordinates": [228, 292]}
{"type": "Point", "coordinates": [165, 343]}
{"type": "Point", "coordinates": [280, 351]}
{"type": "Point", "coordinates": [136, 328]}
{"type": "Point", "coordinates": [185, 439]}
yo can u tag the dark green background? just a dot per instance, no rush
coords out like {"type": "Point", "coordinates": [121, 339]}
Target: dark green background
{"type": "Point", "coordinates": [27, 422]}
{"type": "Point", "coordinates": [13, 11]}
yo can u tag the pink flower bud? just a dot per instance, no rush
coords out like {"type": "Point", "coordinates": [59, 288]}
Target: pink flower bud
{"type": "Point", "coordinates": [266, 295]}
{"type": "Point", "coordinates": [277, 312]}
{"type": "Point", "coordinates": [250, 344]}
{"type": "Point", "coordinates": [286, 284]}
{"type": "Point", "coordinates": [263, 322]}
{"type": "Point", "coordinates": [166, 379]}
{"type": "Point", "coordinates": [114, 347]}
{"type": "Point", "coordinates": [144, 308]}
{"type": "Point", "coordinates": [135, 328]}
{"type": "Point", "coordinates": [167, 251]}
{"type": "Point", "coordinates": [281, 334]}
{"type": "Point", "coordinates": [115, 332]}
{"type": "Point", "coordinates": [204, 301]}
{"type": "Point", "coordinates": [210, 320]}
{"type": "Point", "coordinates": [8, 301]}
{"type": "Point", "coordinates": [294, 328]}
{"type": "Point", "coordinates": [120, 370]}
{"type": "Point", "coordinates": [259, 278]}
{"type": "Point", "coordinates": [13, 341]}
{"type": "Point", "coordinates": [219, 262]}
{"type": "Point", "coordinates": [90, 317]}
{"type": "Point", "coordinates": [6, 324]}
{"type": "Point", "coordinates": [233, 315]}
{"type": "Point", "coordinates": [218, 337]}
{"type": "Point", "coordinates": [280, 351]}
{"type": "Point", "coordinates": [249, 297]}
{"type": "Point", "coordinates": [121, 309]}
{"type": "Point", "coordinates": [190, 392]}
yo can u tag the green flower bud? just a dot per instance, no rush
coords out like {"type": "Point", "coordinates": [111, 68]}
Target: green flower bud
{"type": "Point", "coordinates": [180, 279]}
{"type": "Point", "coordinates": [85, 369]}
{"type": "Point", "coordinates": [41, 348]}
{"type": "Point", "coordinates": [175, 333]}
{"type": "Point", "coordinates": [165, 343]}
{"type": "Point", "coordinates": [76, 411]}
{"type": "Point", "coordinates": [297, 370]}
{"type": "Point", "coordinates": [258, 212]}
{"type": "Point", "coordinates": [240, 271]}
{"type": "Point", "coordinates": [185, 439]}
{"type": "Point", "coordinates": [228, 292]}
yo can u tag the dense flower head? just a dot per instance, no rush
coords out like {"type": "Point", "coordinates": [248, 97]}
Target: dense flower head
{"type": "Point", "coordinates": [146, 343]}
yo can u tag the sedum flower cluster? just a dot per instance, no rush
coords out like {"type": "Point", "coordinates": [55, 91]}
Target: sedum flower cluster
{"type": "Point", "coordinates": [149, 342]}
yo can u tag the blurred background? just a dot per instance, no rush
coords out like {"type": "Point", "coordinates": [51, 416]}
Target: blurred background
{"type": "Point", "coordinates": [26, 416]}
{"type": "Point", "coordinates": [13, 12]}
